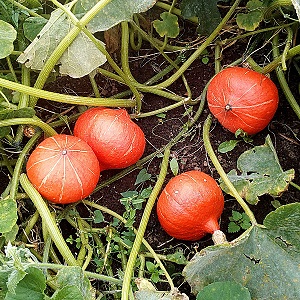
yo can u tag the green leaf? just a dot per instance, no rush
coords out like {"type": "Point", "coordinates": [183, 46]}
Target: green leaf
{"type": "Point", "coordinates": [149, 294]}
{"type": "Point", "coordinates": [168, 27]}
{"type": "Point", "coordinates": [112, 14]}
{"type": "Point", "coordinates": [233, 227]}
{"type": "Point", "coordinates": [227, 146]}
{"type": "Point", "coordinates": [7, 37]}
{"type": "Point", "coordinates": [74, 276]}
{"type": "Point", "coordinates": [31, 287]}
{"type": "Point", "coordinates": [68, 293]}
{"type": "Point", "coordinates": [32, 27]}
{"type": "Point", "coordinates": [226, 290]}
{"type": "Point", "coordinates": [236, 215]}
{"type": "Point", "coordinates": [142, 176]}
{"type": "Point", "coordinates": [251, 20]}
{"type": "Point", "coordinates": [264, 260]}
{"type": "Point", "coordinates": [284, 225]}
{"type": "Point", "coordinates": [81, 58]}
{"type": "Point", "coordinates": [174, 166]}
{"type": "Point", "coordinates": [8, 213]}
{"type": "Point", "coordinates": [8, 113]}
{"type": "Point", "coordinates": [207, 12]}
{"type": "Point", "coordinates": [98, 216]}
{"type": "Point", "coordinates": [261, 173]}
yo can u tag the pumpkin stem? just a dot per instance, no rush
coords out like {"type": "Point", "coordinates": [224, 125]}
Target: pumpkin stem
{"type": "Point", "coordinates": [228, 107]}
{"type": "Point", "coordinates": [219, 237]}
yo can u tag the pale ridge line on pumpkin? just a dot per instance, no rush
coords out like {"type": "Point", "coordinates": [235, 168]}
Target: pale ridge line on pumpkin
{"type": "Point", "coordinates": [77, 177]}
{"type": "Point", "coordinates": [43, 160]}
{"type": "Point", "coordinates": [131, 145]}
{"type": "Point", "coordinates": [115, 119]}
{"type": "Point", "coordinates": [254, 105]}
{"type": "Point", "coordinates": [49, 173]}
{"type": "Point", "coordinates": [72, 145]}
{"type": "Point", "coordinates": [238, 99]}
{"type": "Point", "coordinates": [63, 179]}
{"type": "Point", "coordinates": [243, 120]}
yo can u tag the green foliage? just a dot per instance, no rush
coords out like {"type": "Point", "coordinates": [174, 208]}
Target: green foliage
{"type": "Point", "coordinates": [7, 37]}
{"type": "Point", "coordinates": [227, 146]}
{"type": "Point", "coordinates": [238, 221]}
{"type": "Point", "coordinates": [143, 176]}
{"type": "Point", "coordinates": [168, 27]}
{"type": "Point", "coordinates": [262, 253]}
{"type": "Point", "coordinates": [255, 14]}
{"type": "Point", "coordinates": [22, 278]}
{"type": "Point", "coordinates": [154, 270]}
{"type": "Point", "coordinates": [174, 166]}
{"type": "Point", "coordinates": [226, 290]}
{"type": "Point", "coordinates": [133, 201]}
{"type": "Point", "coordinates": [207, 12]}
{"type": "Point", "coordinates": [8, 213]}
{"type": "Point", "coordinates": [261, 173]}
{"type": "Point", "coordinates": [83, 56]}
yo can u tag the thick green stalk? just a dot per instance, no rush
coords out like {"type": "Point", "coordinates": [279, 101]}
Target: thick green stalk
{"type": "Point", "coordinates": [29, 121]}
{"type": "Point", "coordinates": [223, 175]}
{"type": "Point", "coordinates": [62, 98]}
{"type": "Point", "coordinates": [19, 165]}
{"type": "Point", "coordinates": [282, 80]}
{"type": "Point", "coordinates": [143, 225]}
{"type": "Point", "coordinates": [46, 216]}
{"type": "Point", "coordinates": [202, 47]}
{"type": "Point", "coordinates": [277, 61]}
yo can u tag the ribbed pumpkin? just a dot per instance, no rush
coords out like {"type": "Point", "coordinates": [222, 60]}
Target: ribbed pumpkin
{"type": "Point", "coordinates": [117, 141]}
{"type": "Point", "coordinates": [242, 99]}
{"type": "Point", "coordinates": [190, 205]}
{"type": "Point", "coordinates": [63, 168]}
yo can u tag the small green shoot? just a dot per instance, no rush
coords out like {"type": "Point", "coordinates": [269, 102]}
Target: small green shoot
{"type": "Point", "coordinates": [238, 221]}
{"type": "Point", "coordinates": [154, 270]}
{"type": "Point", "coordinates": [174, 166]}
{"type": "Point", "coordinates": [133, 201]}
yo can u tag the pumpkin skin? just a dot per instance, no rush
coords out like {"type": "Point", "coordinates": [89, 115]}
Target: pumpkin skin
{"type": "Point", "coordinates": [190, 205]}
{"type": "Point", "coordinates": [116, 140]}
{"type": "Point", "coordinates": [242, 99]}
{"type": "Point", "coordinates": [63, 168]}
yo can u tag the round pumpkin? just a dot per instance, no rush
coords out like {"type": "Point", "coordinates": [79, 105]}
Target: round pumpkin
{"type": "Point", "coordinates": [190, 205]}
{"type": "Point", "coordinates": [117, 141]}
{"type": "Point", "coordinates": [63, 168]}
{"type": "Point", "coordinates": [242, 99]}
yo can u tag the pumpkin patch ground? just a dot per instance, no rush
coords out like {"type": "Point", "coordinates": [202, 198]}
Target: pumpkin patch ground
{"type": "Point", "coordinates": [113, 256]}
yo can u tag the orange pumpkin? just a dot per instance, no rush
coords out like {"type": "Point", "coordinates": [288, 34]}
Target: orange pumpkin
{"type": "Point", "coordinates": [242, 99]}
{"type": "Point", "coordinates": [190, 205]}
{"type": "Point", "coordinates": [116, 140]}
{"type": "Point", "coordinates": [63, 168]}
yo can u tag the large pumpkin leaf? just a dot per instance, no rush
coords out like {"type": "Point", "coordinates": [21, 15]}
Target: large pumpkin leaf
{"type": "Point", "coordinates": [74, 277]}
{"type": "Point", "coordinates": [207, 12]}
{"type": "Point", "coordinates": [7, 37]}
{"type": "Point", "coordinates": [82, 56]}
{"type": "Point", "coordinates": [32, 286]}
{"type": "Point", "coordinates": [265, 260]}
{"type": "Point", "coordinates": [260, 173]}
{"type": "Point", "coordinates": [226, 290]}
{"type": "Point", "coordinates": [8, 213]}
{"type": "Point", "coordinates": [113, 13]}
